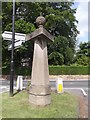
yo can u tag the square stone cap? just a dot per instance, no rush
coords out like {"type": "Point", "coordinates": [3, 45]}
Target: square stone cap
{"type": "Point", "coordinates": [40, 32]}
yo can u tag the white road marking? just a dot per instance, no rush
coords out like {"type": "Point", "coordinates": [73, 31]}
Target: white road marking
{"type": "Point", "coordinates": [3, 87]}
{"type": "Point", "coordinates": [6, 88]}
{"type": "Point", "coordinates": [4, 91]}
{"type": "Point", "coordinates": [84, 93]}
{"type": "Point", "coordinates": [72, 88]}
{"type": "Point", "coordinates": [77, 88]}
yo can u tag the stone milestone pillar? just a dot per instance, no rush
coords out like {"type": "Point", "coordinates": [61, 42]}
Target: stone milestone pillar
{"type": "Point", "coordinates": [39, 93]}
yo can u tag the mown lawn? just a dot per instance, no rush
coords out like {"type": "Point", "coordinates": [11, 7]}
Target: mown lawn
{"type": "Point", "coordinates": [62, 106]}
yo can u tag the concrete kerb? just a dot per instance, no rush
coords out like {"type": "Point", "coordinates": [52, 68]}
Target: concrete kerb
{"type": "Point", "coordinates": [80, 80]}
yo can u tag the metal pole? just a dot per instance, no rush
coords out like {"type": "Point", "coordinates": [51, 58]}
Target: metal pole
{"type": "Point", "coordinates": [12, 51]}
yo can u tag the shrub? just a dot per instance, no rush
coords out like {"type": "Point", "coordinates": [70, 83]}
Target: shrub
{"type": "Point", "coordinates": [68, 70]}
{"type": "Point", "coordinates": [83, 60]}
{"type": "Point", "coordinates": [53, 70]}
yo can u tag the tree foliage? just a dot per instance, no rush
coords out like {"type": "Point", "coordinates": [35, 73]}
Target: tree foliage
{"type": "Point", "coordinates": [83, 54]}
{"type": "Point", "coordinates": [60, 22]}
{"type": "Point", "coordinates": [56, 58]}
{"type": "Point", "coordinates": [21, 26]}
{"type": "Point", "coordinates": [61, 45]}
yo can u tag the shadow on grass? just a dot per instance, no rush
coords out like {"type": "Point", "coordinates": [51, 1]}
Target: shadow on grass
{"type": "Point", "coordinates": [16, 92]}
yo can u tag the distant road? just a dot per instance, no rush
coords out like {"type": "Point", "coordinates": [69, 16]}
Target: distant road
{"type": "Point", "coordinates": [4, 84]}
{"type": "Point", "coordinates": [67, 84]}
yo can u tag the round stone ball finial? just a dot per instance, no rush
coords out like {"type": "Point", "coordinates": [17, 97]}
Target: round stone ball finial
{"type": "Point", "coordinates": [40, 21]}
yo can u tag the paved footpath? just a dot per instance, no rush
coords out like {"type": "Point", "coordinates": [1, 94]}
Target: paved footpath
{"type": "Point", "coordinates": [70, 77]}
{"type": "Point", "coordinates": [53, 77]}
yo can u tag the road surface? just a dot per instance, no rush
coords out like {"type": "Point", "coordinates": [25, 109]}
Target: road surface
{"type": "Point", "coordinates": [4, 84]}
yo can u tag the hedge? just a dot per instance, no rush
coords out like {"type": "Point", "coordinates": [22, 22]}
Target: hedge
{"type": "Point", "coordinates": [69, 70]}
{"type": "Point", "coordinates": [18, 71]}
{"type": "Point", "coordinates": [53, 70]}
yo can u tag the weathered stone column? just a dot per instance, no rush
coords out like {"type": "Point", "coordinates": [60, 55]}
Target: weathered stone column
{"type": "Point", "coordinates": [39, 93]}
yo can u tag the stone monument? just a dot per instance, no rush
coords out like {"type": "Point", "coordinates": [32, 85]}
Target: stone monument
{"type": "Point", "coordinates": [39, 93]}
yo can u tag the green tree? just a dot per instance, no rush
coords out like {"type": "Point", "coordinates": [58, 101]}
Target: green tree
{"type": "Point", "coordinates": [22, 52]}
{"type": "Point", "coordinates": [60, 22]}
{"type": "Point", "coordinates": [21, 26]}
{"type": "Point", "coordinates": [56, 58]}
{"type": "Point", "coordinates": [83, 60]}
{"type": "Point", "coordinates": [83, 54]}
{"type": "Point", "coordinates": [61, 45]}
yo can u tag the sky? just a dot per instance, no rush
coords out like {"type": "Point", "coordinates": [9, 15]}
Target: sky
{"type": "Point", "coordinates": [82, 17]}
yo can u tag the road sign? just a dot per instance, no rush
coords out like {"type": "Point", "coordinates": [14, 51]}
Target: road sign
{"type": "Point", "coordinates": [17, 44]}
{"type": "Point", "coordinates": [19, 39]}
{"type": "Point", "coordinates": [18, 36]}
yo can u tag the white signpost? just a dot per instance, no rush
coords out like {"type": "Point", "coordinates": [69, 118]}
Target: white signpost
{"type": "Point", "coordinates": [19, 39]}
{"type": "Point", "coordinates": [17, 44]}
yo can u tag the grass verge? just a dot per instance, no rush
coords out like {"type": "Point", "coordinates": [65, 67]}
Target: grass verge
{"type": "Point", "coordinates": [62, 106]}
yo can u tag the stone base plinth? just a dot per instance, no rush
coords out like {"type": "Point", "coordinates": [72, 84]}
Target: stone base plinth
{"type": "Point", "coordinates": [40, 89]}
{"type": "Point", "coordinates": [40, 100]}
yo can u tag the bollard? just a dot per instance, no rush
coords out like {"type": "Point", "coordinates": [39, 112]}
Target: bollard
{"type": "Point", "coordinates": [60, 85]}
{"type": "Point", "coordinates": [19, 83]}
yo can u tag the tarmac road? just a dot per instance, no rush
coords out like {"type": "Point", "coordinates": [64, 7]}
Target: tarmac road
{"type": "Point", "coordinates": [4, 84]}
{"type": "Point", "coordinates": [66, 84]}
{"type": "Point", "coordinates": [73, 84]}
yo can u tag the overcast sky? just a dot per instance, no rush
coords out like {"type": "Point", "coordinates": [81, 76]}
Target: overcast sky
{"type": "Point", "coordinates": [82, 17]}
